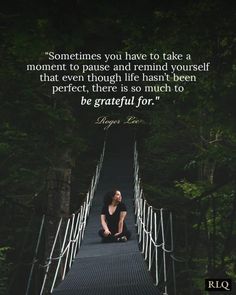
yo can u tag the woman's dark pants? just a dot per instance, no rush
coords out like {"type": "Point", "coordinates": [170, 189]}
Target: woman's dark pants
{"type": "Point", "coordinates": [112, 238]}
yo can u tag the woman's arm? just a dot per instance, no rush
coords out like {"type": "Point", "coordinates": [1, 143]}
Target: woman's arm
{"type": "Point", "coordinates": [104, 225]}
{"type": "Point", "coordinates": [121, 222]}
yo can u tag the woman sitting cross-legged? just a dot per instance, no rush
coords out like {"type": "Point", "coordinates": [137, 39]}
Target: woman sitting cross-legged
{"type": "Point", "coordinates": [112, 219]}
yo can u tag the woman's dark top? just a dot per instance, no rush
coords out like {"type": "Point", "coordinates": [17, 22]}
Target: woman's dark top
{"type": "Point", "coordinates": [112, 220]}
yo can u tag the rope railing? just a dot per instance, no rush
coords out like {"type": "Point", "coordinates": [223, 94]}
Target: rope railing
{"type": "Point", "coordinates": [155, 236]}
{"type": "Point", "coordinates": [71, 230]}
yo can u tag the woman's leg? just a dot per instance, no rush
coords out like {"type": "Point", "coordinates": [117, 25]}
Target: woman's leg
{"type": "Point", "coordinates": [100, 233]}
{"type": "Point", "coordinates": [125, 233]}
{"type": "Point", "coordinates": [106, 239]}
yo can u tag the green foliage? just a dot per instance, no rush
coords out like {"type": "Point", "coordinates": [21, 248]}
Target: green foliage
{"type": "Point", "coordinates": [37, 131]}
{"type": "Point", "coordinates": [188, 156]}
{"type": "Point", "coordinates": [191, 190]}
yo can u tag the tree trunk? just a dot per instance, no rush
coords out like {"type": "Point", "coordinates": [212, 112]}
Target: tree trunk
{"type": "Point", "coordinates": [59, 180]}
{"type": "Point", "coordinates": [58, 205]}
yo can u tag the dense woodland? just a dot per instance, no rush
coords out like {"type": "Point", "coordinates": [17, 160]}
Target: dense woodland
{"type": "Point", "coordinates": [49, 144]}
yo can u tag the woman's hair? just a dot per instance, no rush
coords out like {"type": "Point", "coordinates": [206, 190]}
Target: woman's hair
{"type": "Point", "coordinates": [108, 197]}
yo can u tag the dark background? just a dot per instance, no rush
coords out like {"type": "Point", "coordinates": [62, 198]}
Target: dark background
{"type": "Point", "coordinates": [187, 146]}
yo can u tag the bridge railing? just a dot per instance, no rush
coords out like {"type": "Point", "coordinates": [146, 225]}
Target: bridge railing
{"type": "Point", "coordinates": [68, 237]}
{"type": "Point", "coordinates": [155, 232]}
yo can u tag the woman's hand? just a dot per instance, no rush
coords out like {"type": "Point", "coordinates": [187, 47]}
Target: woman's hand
{"type": "Point", "coordinates": [117, 234]}
{"type": "Point", "coordinates": [107, 233]}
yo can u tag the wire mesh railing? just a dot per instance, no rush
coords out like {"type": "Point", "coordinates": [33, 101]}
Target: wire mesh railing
{"type": "Point", "coordinates": [67, 240]}
{"type": "Point", "coordinates": [155, 236]}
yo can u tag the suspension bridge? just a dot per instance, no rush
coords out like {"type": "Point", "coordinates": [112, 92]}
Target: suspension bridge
{"type": "Point", "coordinates": [84, 265]}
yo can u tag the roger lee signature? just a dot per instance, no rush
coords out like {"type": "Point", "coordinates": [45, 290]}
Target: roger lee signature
{"type": "Point", "coordinates": [108, 122]}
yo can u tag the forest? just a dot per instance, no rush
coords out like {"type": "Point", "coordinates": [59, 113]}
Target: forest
{"type": "Point", "coordinates": [49, 144]}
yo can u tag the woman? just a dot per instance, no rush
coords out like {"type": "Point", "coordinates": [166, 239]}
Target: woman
{"type": "Point", "coordinates": [112, 219]}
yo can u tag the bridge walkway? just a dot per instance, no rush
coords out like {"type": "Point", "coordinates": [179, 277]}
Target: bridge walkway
{"type": "Point", "coordinates": [110, 268]}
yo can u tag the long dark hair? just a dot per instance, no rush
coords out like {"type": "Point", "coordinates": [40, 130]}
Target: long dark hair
{"type": "Point", "coordinates": [108, 197]}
